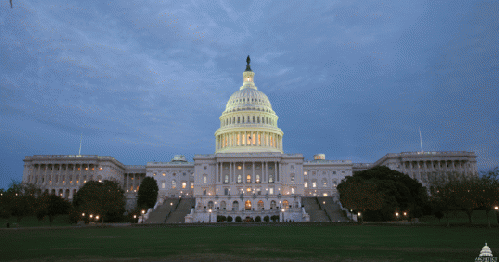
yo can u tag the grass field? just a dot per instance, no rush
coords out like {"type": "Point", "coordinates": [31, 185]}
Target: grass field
{"type": "Point", "coordinates": [257, 243]}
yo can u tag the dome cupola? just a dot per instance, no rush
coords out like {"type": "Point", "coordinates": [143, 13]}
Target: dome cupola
{"type": "Point", "coordinates": [248, 123]}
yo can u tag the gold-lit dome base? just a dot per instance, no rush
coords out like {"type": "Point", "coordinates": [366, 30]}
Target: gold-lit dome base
{"type": "Point", "coordinates": [249, 149]}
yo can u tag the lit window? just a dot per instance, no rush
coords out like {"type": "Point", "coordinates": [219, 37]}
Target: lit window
{"type": "Point", "coordinates": [306, 184]}
{"type": "Point", "coordinates": [192, 185]}
{"type": "Point", "coordinates": [164, 174]}
{"type": "Point", "coordinates": [174, 184]}
{"type": "Point", "coordinates": [271, 191]}
{"type": "Point", "coordinates": [239, 179]}
{"type": "Point", "coordinates": [305, 173]}
{"type": "Point", "coordinates": [292, 190]}
{"type": "Point", "coordinates": [154, 174]}
{"type": "Point", "coordinates": [248, 179]}
{"type": "Point", "coordinates": [314, 184]}
{"type": "Point", "coordinates": [258, 178]}
{"type": "Point", "coordinates": [226, 179]}
{"type": "Point", "coordinates": [204, 179]}
{"type": "Point", "coordinates": [184, 185]}
{"type": "Point", "coordinates": [248, 189]}
{"type": "Point", "coordinates": [163, 185]}
{"type": "Point", "coordinates": [86, 168]}
{"type": "Point", "coordinates": [292, 178]}
{"type": "Point", "coordinates": [239, 167]}
{"type": "Point", "coordinates": [100, 168]}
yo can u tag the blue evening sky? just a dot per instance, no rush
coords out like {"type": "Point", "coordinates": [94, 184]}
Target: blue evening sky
{"type": "Point", "coordinates": [146, 80]}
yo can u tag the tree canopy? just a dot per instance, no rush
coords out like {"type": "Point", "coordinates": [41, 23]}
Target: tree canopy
{"type": "Point", "coordinates": [148, 193]}
{"type": "Point", "coordinates": [105, 199]}
{"type": "Point", "coordinates": [392, 189]}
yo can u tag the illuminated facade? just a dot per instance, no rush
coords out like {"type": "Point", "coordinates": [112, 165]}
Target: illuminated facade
{"type": "Point", "coordinates": [249, 174]}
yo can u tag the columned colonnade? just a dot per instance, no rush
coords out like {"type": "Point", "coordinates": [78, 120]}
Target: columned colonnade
{"type": "Point", "coordinates": [249, 138]}
{"type": "Point", "coordinates": [232, 171]}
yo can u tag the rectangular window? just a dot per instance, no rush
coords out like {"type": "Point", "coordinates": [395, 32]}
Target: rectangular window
{"type": "Point", "coordinates": [314, 184]}
{"type": "Point", "coordinates": [192, 185]}
{"type": "Point", "coordinates": [292, 190]}
{"type": "Point", "coordinates": [184, 184]}
{"type": "Point", "coordinates": [163, 185]}
{"type": "Point", "coordinates": [306, 184]}
{"type": "Point", "coordinates": [271, 191]}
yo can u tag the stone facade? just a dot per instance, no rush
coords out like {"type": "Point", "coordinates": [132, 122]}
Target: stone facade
{"type": "Point", "coordinates": [248, 176]}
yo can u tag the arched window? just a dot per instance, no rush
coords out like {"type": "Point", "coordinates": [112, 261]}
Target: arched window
{"type": "Point", "coordinates": [324, 182]}
{"type": "Point", "coordinates": [210, 205]}
{"type": "Point", "coordinates": [334, 182]}
{"type": "Point", "coordinates": [248, 179]}
{"type": "Point", "coordinates": [272, 204]}
{"type": "Point", "coordinates": [235, 205]}
{"type": "Point", "coordinates": [260, 205]}
{"type": "Point", "coordinates": [223, 205]}
{"type": "Point", "coordinates": [204, 178]}
{"type": "Point", "coordinates": [226, 179]}
{"type": "Point", "coordinates": [257, 178]}
{"type": "Point", "coordinates": [239, 178]}
{"type": "Point", "coordinates": [247, 205]}
{"type": "Point", "coordinates": [271, 178]}
{"type": "Point", "coordinates": [306, 184]}
{"type": "Point", "coordinates": [226, 191]}
{"type": "Point", "coordinates": [163, 184]}
{"type": "Point", "coordinates": [285, 204]}
{"type": "Point", "coordinates": [292, 178]}
{"type": "Point", "coordinates": [174, 184]}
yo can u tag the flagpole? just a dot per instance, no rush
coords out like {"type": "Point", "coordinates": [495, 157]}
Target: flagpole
{"type": "Point", "coordinates": [421, 138]}
{"type": "Point", "coordinates": [79, 151]}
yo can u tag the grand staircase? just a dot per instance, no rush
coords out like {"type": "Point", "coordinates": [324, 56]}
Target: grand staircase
{"type": "Point", "coordinates": [183, 209]}
{"type": "Point", "coordinates": [332, 209]}
{"type": "Point", "coordinates": [159, 215]}
{"type": "Point", "coordinates": [313, 210]}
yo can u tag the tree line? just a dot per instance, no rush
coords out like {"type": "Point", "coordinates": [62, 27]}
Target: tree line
{"type": "Point", "coordinates": [382, 194]}
{"type": "Point", "coordinates": [94, 202]}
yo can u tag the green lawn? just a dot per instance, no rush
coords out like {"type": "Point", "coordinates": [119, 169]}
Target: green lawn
{"type": "Point", "coordinates": [31, 221]}
{"type": "Point", "coordinates": [257, 243]}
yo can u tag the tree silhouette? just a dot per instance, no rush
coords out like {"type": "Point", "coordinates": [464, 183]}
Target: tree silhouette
{"type": "Point", "coordinates": [148, 193]}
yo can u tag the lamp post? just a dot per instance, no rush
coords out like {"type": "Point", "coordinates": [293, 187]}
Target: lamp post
{"type": "Point", "coordinates": [210, 214]}
{"type": "Point", "coordinates": [397, 215]}
{"type": "Point", "coordinates": [282, 215]}
{"type": "Point", "coordinates": [143, 211]}
{"type": "Point", "coordinates": [134, 217]}
{"type": "Point", "coordinates": [497, 213]}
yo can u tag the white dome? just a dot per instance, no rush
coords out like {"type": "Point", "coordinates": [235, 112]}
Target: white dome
{"type": "Point", "coordinates": [248, 123]}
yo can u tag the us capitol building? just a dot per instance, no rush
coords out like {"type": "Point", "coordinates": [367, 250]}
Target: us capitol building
{"type": "Point", "coordinates": [249, 171]}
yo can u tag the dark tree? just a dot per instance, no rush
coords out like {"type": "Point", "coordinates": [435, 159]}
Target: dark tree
{"type": "Point", "coordinates": [258, 219]}
{"type": "Point", "coordinates": [360, 196]}
{"type": "Point", "coordinates": [229, 219]}
{"type": "Point", "coordinates": [51, 206]}
{"type": "Point", "coordinates": [266, 219]}
{"type": "Point", "coordinates": [105, 199]}
{"type": "Point", "coordinates": [20, 199]}
{"type": "Point", "coordinates": [238, 219]}
{"type": "Point", "coordinates": [148, 193]}
{"type": "Point", "coordinates": [398, 191]}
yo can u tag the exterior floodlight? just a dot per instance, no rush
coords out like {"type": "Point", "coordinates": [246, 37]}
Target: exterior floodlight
{"type": "Point", "coordinates": [143, 211]}
{"type": "Point", "coordinates": [96, 217]}
{"type": "Point", "coordinates": [171, 204]}
{"type": "Point", "coordinates": [496, 208]}
{"type": "Point", "coordinates": [91, 215]}
{"type": "Point", "coordinates": [134, 216]}
{"type": "Point", "coordinates": [82, 214]}
{"type": "Point", "coordinates": [396, 213]}
{"type": "Point", "coordinates": [282, 210]}
{"type": "Point", "coordinates": [209, 210]}
{"type": "Point", "coordinates": [405, 213]}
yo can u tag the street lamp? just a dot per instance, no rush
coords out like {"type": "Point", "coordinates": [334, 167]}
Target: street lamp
{"type": "Point", "coordinates": [282, 215]}
{"type": "Point", "coordinates": [397, 215]}
{"type": "Point", "coordinates": [143, 211]}
{"type": "Point", "coordinates": [210, 214]}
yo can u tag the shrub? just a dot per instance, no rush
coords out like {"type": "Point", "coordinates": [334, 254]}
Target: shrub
{"type": "Point", "coordinates": [258, 219]}
{"type": "Point", "coordinates": [266, 219]}
{"type": "Point", "coordinates": [274, 218]}
{"type": "Point", "coordinates": [238, 219]}
{"type": "Point", "coordinates": [229, 219]}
